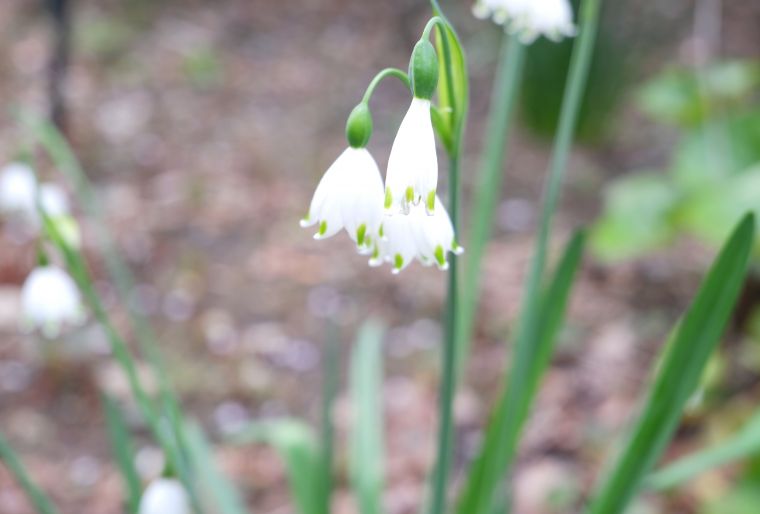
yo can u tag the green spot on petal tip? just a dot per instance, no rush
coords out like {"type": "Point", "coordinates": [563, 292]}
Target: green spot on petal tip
{"type": "Point", "coordinates": [361, 232]}
{"type": "Point", "coordinates": [410, 194]}
{"type": "Point", "coordinates": [388, 198]}
{"type": "Point", "coordinates": [398, 262]}
{"type": "Point", "coordinates": [440, 255]}
{"type": "Point", "coordinates": [323, 228]}
{"type": "Point", "coordinates": [431, 201]}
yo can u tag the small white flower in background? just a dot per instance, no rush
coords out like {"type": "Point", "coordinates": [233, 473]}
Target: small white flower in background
{"type": "Point", "coordinates": [53, 200]}
{"type": "Point", "coordinates": [18, 188]}
{"type": "Point", "coordinates": [165, 496]}
{"type": "Point", "coordinates": [350, 196]}
{"type": "Point", "coordinates": [530, 19]}
{"type": "Point", "coordinates": [417, 234]}
{"type": "Point", "coordinates": [50, 299]}
{"type": "Point", "coordinates": [412, 165]}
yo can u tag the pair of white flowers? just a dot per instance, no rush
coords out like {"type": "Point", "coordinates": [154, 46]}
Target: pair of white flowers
{"type": "Point", "coordinates": [529, 19]}
{"type": "Point", "coordinates": [50, 298]}
{"type": "Point", "coordinates": [396, 222]}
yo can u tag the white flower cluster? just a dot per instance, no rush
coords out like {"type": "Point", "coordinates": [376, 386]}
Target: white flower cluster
{"type": "Point", "coordinates": [49, 297]}
{"type": "Point", "coordinates": [530, 19]}
{"type": "Point", "coordinates": [400, 221]}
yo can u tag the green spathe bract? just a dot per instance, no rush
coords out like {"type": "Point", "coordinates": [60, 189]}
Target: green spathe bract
{"type": "Point", "coordinates": [359, 126]}
{"type": "Point", "coordinates": [423, 70]}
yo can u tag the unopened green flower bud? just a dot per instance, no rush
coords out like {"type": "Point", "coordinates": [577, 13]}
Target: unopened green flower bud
{"type": "Point", "coordinates": [359, 126]}
{"type": "Point", "coordinates": [423, 70]}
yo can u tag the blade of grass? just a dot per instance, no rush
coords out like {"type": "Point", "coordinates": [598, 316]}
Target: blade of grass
{"type": "Point", "coordinates": [679, 373]}
{"type": "Point", "coordinates": [330, 385]}
{"type": "Point", "coordinates": [490, 178]}
{"type": "Point", "coordinates": [743, 444]}
{"type": "Point", "coordinates": [297, 444]}
{"type": "Point", "coordinates": [123, 450]}
{"type": "Point", "coordinates": [366, 438]}
{"type": "Point", "coordinates": [531, 361]}
{"type": "Point", "coordinates": [217, 493]}
{"type": "Point", "coordinates": [41, 502]}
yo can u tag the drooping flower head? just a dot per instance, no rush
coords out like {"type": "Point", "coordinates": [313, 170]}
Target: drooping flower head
{"type": "Point", "coordinates": [530, 19]}
{"type": "Point", "coordinates": [412, 176]}
{"type": "Point", "coordinates": [50, 300]}
{"type": "Point", "coordinates": [350, 193]}
{"type": "Point", "coordinates": [165, 496]}
{"type": "Point", "coordinates": [404, 237]}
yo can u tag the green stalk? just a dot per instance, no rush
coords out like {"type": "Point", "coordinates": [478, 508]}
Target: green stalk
{"type": "Point", "coordinates": [445, 439]}
{"type": "Point", "coordinates": [511, 410]}
{"type": "Point", "coordinates": [490, 177]}
{"type": "Point", "coordinates": [330, 386]}
{"type": "Point", "coordinates": [39, 499]}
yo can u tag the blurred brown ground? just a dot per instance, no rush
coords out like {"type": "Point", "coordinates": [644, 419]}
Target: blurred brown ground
{"type": "Point", "coordinates": [206, 126]}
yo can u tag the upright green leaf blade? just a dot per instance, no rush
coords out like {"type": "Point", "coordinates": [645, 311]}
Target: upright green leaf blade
{"type": "Point", "coordinates": [217, 493]}
{"type": "Point", "coordinates": [123, 450]}
{"type": "Point", "coordinates": [531, 361]}
{"type": "Point", "coordinates": [366, 439]}
{"type": "Point", "coordinates": [297, 444]}
{"type": "Point", "coordinates": [40, 501]}
{"type": "Point", "coordinates": [679, 373]}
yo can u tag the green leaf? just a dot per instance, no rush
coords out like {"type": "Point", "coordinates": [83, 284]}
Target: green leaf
{"type": "Point", "coordinates": [296, 442]}
{"type": "Point", "coordinates": [529, 365]}
{"type": "Point", "coordinates": [743, 444]}
{"type": "Point", "coordinates": [40, 501]}
{"type": "Point", "coordinates": [679, 373]}
{"type": "Point", "coordinates": [330, 386]}
{"type": "Point", "coordinates": [453, 85]}
{"type": "Point", "coordinates": [217, 493]}
{"type": "Point", "coordinates": [366, 438]}
{"type": "Point", "coordinates": [636, 218]}
{"type": "Point", "coordinates": [123, 451]}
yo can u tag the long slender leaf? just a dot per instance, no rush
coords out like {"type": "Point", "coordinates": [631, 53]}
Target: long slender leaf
{"type": "Point", "coordinates": [679, 373]}
{"type": "Point", "coordinates": [330, 385]}
{"type": "Point", "coordinates": [217, 493]}
{"type": "Point", "coordinates": [743, 444]}
{"type": "Point", "coordinates": [366, 439]}
{"type": "Point", "coordinates": [298, 445]}
{"type": "Point", "coordinates": [498, 449]}
{"type": "Point", "coordinates": [123, 450]}
{"type": "Point", "coordinates": [40, 501]}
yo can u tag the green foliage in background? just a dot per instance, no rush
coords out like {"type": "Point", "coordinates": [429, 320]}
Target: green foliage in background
{"type": "Point", "coordinates": [713, 176]}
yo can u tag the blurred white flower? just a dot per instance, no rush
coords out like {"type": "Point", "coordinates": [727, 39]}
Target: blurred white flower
{"type": "Point", "coordinates": [19, 192]}
{"type": "Point", "coordinates": [165, 496]}
{"type": "Point", "coordinates": [530, 19]}
{"type": "Point", "coordinates": [429, 238]}
{"type": "Point", "coordinates": [50, 299]}
{"type": "Point", "coordinates": [350, 196]}
{"type": "Point", "coordinates": [412, 174]}
{"type": "Point", "coordinates": [18, 188]}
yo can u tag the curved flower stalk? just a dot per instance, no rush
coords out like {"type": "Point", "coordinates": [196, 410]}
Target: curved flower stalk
{"type": "Point", "coordinates": [50, 300]}
{"type": "Point", "coordinates": [350, 196]}
{"type": "Point", "coordinates": [165, 496]}
{"type": "Point", "coordinates": [529, 19]}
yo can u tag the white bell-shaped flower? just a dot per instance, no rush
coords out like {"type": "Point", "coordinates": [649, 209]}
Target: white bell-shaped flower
{"type": "Point", "coordinates": [397, 242]}
{"type": "Point", "coordinates": [435, 237]}
{"type": "Point", "coordinates": [350, 196]}
{"type": "Point", "coordinates": [50, 299]}
{"type": "Point", "coordinates": [428, 238]}
{"type": "Point", "coordinates": [530, 19]}
{"type": "Point", "coordinates": [412, 175]}
{"type": "Point", "coordinates": [165, 496]}
{"type": "Point", "coordinates": [53, 200]}
{"type": "Point", "coordinates": [18, 188]}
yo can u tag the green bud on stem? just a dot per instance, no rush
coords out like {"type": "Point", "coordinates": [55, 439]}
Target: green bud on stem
{"type": "Point", "coordinates": [423, 70]}
{"type": "Point", "coordinates": [359, 126]}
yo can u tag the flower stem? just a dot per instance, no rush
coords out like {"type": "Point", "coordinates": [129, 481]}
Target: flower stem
{"type": "Point", "coordinates": [497, 134]}
{"type": "Point", "coordinates": [387, 72]}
